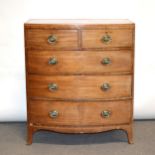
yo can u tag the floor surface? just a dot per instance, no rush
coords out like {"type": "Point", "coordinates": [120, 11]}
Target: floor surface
{"type": "Point", "coordinates": [13, 135]}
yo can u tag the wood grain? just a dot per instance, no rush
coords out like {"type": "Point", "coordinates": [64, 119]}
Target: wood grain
{"type": "Point", "coordinates": [120, 38]}
{"type": "Point", "coordinates": [38, 39]}
{"type": "Point", "coordinates": [79, 24]}
{"type": "Point", "coordinates": [79, 75]}
{"type": "Point", "coordinates": [77, 62]}
{"type": "Point", "coordinates": [79, 87]}
{"type": "Point", "coordinates": [79, 113]}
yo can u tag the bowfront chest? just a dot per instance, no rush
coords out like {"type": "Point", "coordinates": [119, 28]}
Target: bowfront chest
{"type": "Point", "coordinates": [79, 76]}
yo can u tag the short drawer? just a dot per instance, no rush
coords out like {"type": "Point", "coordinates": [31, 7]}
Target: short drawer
{"type": "Point", "coordinates": [79, 87]}
{"type": "Point", "coordinates": [79, 113]}
{"type": "Point", "coordinates": [52, 39]}
{"type": "Point", "coordinates": [107, 38]}
{"type": "Point", "coordinates": [79, 62]}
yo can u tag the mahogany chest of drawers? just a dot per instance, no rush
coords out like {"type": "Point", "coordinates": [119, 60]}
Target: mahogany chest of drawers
{"type": "Point", "coordinates": [79, 75]}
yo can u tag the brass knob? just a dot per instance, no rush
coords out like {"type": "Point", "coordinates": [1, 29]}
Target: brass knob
{"type": "Point", "coordinates": [106, 61]}
{"type": "Point", "coordinates": [53, 114]}
{"type": "Point", "coordinates": [52, 61]}
{"type": "Point", "coordinates": [106, 114]}
{"type": "Point", "coordinates": [106, 38]}
{"type": "Point", "coordinates": [52, 86]}
{"type": "Point", "coordinates": [105, 86]}
{"type": "Point", "coordinates": [52, 39]}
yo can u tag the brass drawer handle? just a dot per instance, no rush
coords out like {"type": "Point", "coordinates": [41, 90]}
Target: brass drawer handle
{"type": "Point", "coordinates": [106, 61]}
{"type": "Point", "coordinates": [106, 114]}
{"type": "Point", "coordinates": [105, 86]}
{"type": "Point", "coordinates": [52, 61]}
{"type": "Point", "coordinates": [52, 39]}
{"type": "Point", "coordinates": [52, 86]}
{"type": "Point", "coordinates": [106, 39]}
{"type": "Point", "coordinates": [53, 114]}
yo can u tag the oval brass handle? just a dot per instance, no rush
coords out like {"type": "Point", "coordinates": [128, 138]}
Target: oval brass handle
{"type": "Point", "coordinates": [53, 114]}
{"type": "Point", "coordinates": [106, 114]}
{"type": "Point", "coordinates": [106, 61]}
{"type": "Point", "coordinates": [52, 61]}
{"type": "Point", "coordinates": [52, 86]}
{"type": "Point", "coordinates": [106, 38]}
{"type": "Point", "coordinates": [52, 39]}
{"type": "Point", "coordinates": [105, 86]}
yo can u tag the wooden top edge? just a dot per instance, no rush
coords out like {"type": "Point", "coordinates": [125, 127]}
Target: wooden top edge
{"type": "Point", "coordinates": [78, 23]}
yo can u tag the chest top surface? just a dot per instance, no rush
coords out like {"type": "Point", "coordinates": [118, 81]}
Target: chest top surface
{"type": "Point", "coordinates": [79, 23]}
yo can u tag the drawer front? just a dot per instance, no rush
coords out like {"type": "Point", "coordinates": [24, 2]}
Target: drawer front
{"type": "Point", "coordinates": [52, 39]}
{"type": "Point", "coordinates": [79, 113]}
{"type": "Point", "coordinates": [78, 62]}
{"type": "Point", "coordinates": [79, 87]}
{"type": "Point", "coordinates": [107, 38]}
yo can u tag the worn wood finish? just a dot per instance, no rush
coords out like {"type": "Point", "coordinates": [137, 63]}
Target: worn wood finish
{"type": "Point", "coordinates": [76, 62]}
{"type": "Point", "coordinates": [119, 38]}
{"type": "Point", "coordinates": [79, 24]}
{"type": "Point", "coordinates": [38, 39]}
{"type": "Point", "coordinates": [79, 87]}
{"type": "Point", "coordinates": [79, 75]}
{"type": "Point", "coordinates": [82, 129]}
{"type": "Point", "coordinates": [80, 113]}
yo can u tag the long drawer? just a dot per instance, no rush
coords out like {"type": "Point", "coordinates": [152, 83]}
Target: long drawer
{"type": "Point", "coordinates": [79, 87]}
{"type": "Point", "coordinates": [78, 62]}
{"type": "Point", "coordinates": [79, 113]}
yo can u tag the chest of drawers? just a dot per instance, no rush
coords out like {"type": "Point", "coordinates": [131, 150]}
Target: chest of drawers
{"type": "Point", "coordinates": [79, 76]}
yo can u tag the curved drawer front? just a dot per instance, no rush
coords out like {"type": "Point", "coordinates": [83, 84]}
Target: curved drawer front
{"type": "Point", "coordinates": [107, 38]}
{"type": "Point", "coordinates": [79, 113]}
{"type": "Point", "coordinates": [79, 87]}
{"type": "Point", "coordinates": [78, 62]}
{"type": "Point", "coordinates": [52, 39]}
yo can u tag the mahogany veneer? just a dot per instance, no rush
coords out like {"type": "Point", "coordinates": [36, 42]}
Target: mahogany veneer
{"type": "Point", "coordinates": [79, 76]}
